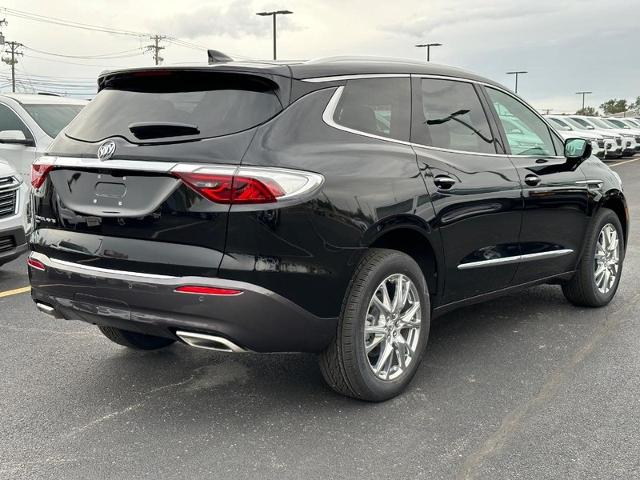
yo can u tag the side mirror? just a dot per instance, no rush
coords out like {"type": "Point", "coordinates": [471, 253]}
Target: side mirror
{"type": "Point", "coordinates": [15, 137]}
{"type": "Point", "coordinates": [577, 149]}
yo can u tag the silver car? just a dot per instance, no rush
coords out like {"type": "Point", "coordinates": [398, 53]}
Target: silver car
{"type": "Point", "coordinates": [15, 213]}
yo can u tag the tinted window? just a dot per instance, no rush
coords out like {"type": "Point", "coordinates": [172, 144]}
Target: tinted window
{"type": "Point", "coordinates": [560, 124]}
{"type": "Point", "coordinates": [452, 117]}
{"type": "Point", "coordinates": [582, 123]}
{"type": "Point", "coordinates": [52, 118]}
{"type": "Point", "coordinates": [11, 121]}
{"type": "Point", "coordinates": [380, 106]}
{"type": "Point", "coordinates": [526, 133]}
{"type": "Point", "coordinates": [183, 105]}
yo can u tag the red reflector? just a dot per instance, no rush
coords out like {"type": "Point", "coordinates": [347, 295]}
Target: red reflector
{"type": "Point", "coordinates": [198, 290]}
{"type": "Point", "coordinates": [37, 264]}
{"type": "Point", "coordinates": [39, 172]}
{"type": "Point", "coordinates": [230, 189]}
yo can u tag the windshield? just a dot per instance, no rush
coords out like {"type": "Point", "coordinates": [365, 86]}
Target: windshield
{"type": "Point", "coordinates": [618, 123]}
{"type": "Point", "coordinates": [580, 123]}
{"type": "Point", "coordinates": [176, 107]}
{"type": "Point", "coordinates": [560, 125]}
{"type": "Point", "coordinates": [52, 118]}
{"type": "Point", "coordinates": [601, 123]}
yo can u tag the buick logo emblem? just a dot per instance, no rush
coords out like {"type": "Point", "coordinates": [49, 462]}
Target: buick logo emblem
{"type": "Point", "coordinates": [105, 152]}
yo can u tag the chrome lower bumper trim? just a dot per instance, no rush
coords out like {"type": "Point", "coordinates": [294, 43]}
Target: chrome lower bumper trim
{"type": "Point", "coordinates": [530, 257]}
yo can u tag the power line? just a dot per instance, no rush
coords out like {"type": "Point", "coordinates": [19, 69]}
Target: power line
{"type": "Point", "coordinates": [106, 56]}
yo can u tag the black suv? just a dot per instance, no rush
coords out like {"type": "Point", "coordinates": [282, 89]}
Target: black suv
{"type": "Point", "coordinates": [332, 206]}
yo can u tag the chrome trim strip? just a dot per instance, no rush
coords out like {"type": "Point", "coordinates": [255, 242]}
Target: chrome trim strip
{"type": "Point", "coordinates": [202, 340]}
{"type": "Point", "coordinates": [339, 78]}
{"type": "Point", "coordinates": [140, 165]}
{"type": "Point", "coordinates": [529, 257]}
{"type": "Point", "coordinates": [329, 112]}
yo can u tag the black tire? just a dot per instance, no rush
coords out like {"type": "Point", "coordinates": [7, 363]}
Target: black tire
{"type": "Point", "coordinates": [138, 341]}
{"type": "Point", "coordinates": [344, 364]}
{"type": "Point", "coordinates": [582, 290]}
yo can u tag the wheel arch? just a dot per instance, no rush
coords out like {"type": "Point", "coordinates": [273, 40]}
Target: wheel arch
{"type": "Point", "coordinates": [615, 200]}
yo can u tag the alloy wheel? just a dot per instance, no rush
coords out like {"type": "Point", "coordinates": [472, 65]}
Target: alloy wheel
{"type": "Point", "coordinates": [607, 259]}
{"type": "Point", "coordinates": [392, 327]}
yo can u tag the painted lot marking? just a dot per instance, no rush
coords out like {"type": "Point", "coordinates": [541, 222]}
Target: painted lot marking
{"type": "Point", "coordinates": [626, 161]}
{"type": "Point", "coordinates": [17, 291]}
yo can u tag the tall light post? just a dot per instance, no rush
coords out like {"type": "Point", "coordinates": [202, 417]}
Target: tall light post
{"type": "Point", "coordinates": [274, 14]}
{"type": "Point", "coordinates": [584, 94]}
{"type": "Point", "coordinates": [520, 72]}
{"type": "Point", "coordinates": [428, 47]}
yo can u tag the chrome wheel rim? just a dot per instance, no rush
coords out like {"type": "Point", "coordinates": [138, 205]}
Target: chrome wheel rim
{"type": "Point", "coordinates": [392, 327]}
{"type": "Point", "coordinates": [607, 259]}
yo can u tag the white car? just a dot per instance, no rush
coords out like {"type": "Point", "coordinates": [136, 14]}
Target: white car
{"type": "Point", "coordinates": [29, 123]}
{"type": "Point", "coordinates": [616, 139]}
{"type": "Point", "coordinates": [628, 139]}
{"type": "Point", "coordinates": [627, 127]}
{"type": "Point", "coordinates": [567, 131]}
{"type": "Point", "coordinates": [15, 213]}
{"type": "Point", "coordinates": [612, 142]}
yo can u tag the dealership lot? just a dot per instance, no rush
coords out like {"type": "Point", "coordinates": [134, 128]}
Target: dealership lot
{"type": "Point", "coordinates": [526, 386]}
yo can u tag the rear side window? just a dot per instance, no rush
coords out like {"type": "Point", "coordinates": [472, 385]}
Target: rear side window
{"type": "Point", "coordinates": [160, 106]}
{"type": "Point", "coordinates": [52, 118]}
{"type": "Point", "coordinates": [452, 117]}
{"type": "Point", "coordinates": [379, 106]}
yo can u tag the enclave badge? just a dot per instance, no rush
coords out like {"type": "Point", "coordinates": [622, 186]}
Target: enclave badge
{"type": "Point", "coordinates": [105, 152]}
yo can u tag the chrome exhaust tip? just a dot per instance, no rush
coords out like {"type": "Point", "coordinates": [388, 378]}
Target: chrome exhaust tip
{"type": "Point", "coordinates": [209, 342]}
{"type": "Point", "coordinates": [48, 309]}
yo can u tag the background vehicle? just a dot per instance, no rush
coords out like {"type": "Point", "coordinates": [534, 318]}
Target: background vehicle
{"type": "Point", "coordinates": [598, 144]}
{"type": "Point", "coordinates": [28, 124]}
{"type": "Point", "coordinates": [15, 213]}
{"type": "Point", "coordinates": [628, 139]}
{"type": "Point", "coordinates": [332, 206]}
{"type": "Point", "coordinates": [583, 124]}
{"type": "Point", "coordinates": [627, 127]}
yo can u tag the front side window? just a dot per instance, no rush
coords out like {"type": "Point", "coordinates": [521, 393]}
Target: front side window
{"type": "Point", "coordinates": [526, 133]}
{"type": "Point", "coordinates": [379, 106]}
{"type": "Point", "coordinates": [53, 118]}
{"type": "Point", "coordinates": [581, 123]}
{"type": "Point", "coordinates": [10, 121]}
{"type": "Point", "coordinates": [452, 117]}
{"type": "Point", "coordinates": [560, 125]}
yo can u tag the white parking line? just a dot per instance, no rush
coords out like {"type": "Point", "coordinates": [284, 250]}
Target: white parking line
{"type": "Point", "coordinates": [626, 161]}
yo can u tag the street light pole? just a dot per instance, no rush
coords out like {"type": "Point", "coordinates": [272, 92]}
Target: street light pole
{"type": "Point", "coordinates": [519, 72]}
{"type": "Point", "coordinates": [428, 47]}
{"type": "Point", "coordinates": [274, 14]}
{"type": "Point", "coordinates": [584, 94]}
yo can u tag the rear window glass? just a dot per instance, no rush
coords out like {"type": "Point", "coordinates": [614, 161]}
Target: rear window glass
{"type": "Point", "coordinates": [379, 106]}
{"type": "Point", "coordinates": [156, 106]}
{"type": "Point", "coordinates": [52, 118]}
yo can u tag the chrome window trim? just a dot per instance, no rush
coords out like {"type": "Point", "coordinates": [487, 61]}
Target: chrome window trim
{"type": "Point", "coordinates": [515, 259]}
{"type": "Point", "coordinates": [329, 112]}
{"type": "Point", "coordinates": [340, 78]}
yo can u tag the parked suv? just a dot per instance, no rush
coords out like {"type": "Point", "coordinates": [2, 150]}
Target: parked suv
{"type": "Point", "coordinates": [334, 206]}
{"type": "Point", "coordinates": [15, 214]}
{"type": "Point", "coordinates": [29, 123]}
{"type": "Point", "coordinates": [566, 131]}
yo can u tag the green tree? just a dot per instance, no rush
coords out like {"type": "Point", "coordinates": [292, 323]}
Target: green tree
{"type": "Point", "coordinates": [614, 106]}
{"type": "Point", "coordinates": [635, 105]}
{"type": "Point", "coordinates": [588, 111]}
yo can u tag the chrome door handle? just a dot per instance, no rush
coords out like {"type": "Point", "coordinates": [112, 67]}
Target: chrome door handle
{"type": "Point", "coordinates": [444, 182]}
{"type": "Point", "coordinates": [532, 180]}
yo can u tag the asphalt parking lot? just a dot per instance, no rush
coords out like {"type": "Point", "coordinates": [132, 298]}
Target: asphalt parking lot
{"type": "Point", "coordinates": [527, 386]}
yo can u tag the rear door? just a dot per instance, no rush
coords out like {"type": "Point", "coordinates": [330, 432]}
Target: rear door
{"type": "Point", "coordinates": [473, 186]}
{"type": "Point", "coordinates": [134, 172]}
{"type": "Point", "coordinates": [555, 191]}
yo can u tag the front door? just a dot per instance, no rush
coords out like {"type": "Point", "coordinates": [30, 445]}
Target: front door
{"type": "Point", "coordinates": [473, 186]}
{"type": "Point", "coordinates": [555, 192]}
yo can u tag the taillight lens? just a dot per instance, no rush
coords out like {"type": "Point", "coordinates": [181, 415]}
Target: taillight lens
{"type": "Point", "coordinates": [200, 290]}
{"type": "Point", "coordinates": [39, 172]}
{"type": "Point", "coordinates": [230, 189]}
{"type": "Point", "coordinates": [37, 264]}
{"type": "Point", "coordinates": [250, 185]}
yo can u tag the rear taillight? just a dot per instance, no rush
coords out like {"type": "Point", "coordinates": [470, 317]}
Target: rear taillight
{"type": "Point", "coordinates": [250, 185]}
{"type": "Point", "coordinates": [200, 290]}
{"type": "Point", "coordinates": [39, 171]}
{"type": "Point", "coordinates": [37, 264]}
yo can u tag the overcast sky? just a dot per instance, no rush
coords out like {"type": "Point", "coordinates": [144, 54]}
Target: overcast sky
{"type": "Point", "coordinates": [566, 45]}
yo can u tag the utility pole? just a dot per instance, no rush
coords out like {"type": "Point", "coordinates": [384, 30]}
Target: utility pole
{"type": "Point", "coordinates": [584, 94]}
{"type": "Point", "coordinates": [155, 48]}
{"type": "Point", "coordinates": [274, 14]}
{"type": "Point", "coordinates": [520, 72]}
{"type": "Point", "coordinates": [428, 47]}
{"type": "Point", "coordinates": [12, 49]}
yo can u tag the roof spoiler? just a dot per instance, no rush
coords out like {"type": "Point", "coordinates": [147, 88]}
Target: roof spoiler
{"type": "Point", "coordinates": [214, 56]}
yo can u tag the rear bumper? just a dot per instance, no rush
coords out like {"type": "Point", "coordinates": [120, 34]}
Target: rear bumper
{"type": "Point", "coordinates": [256, 319]}
{"type": "Point", "coordinates": [15, 237]}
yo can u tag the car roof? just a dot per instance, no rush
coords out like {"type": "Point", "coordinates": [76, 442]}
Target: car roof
{"type": "Point", "coordinates": [31, 99]}
{"type": "Point", "coordinates": [330, 67]}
